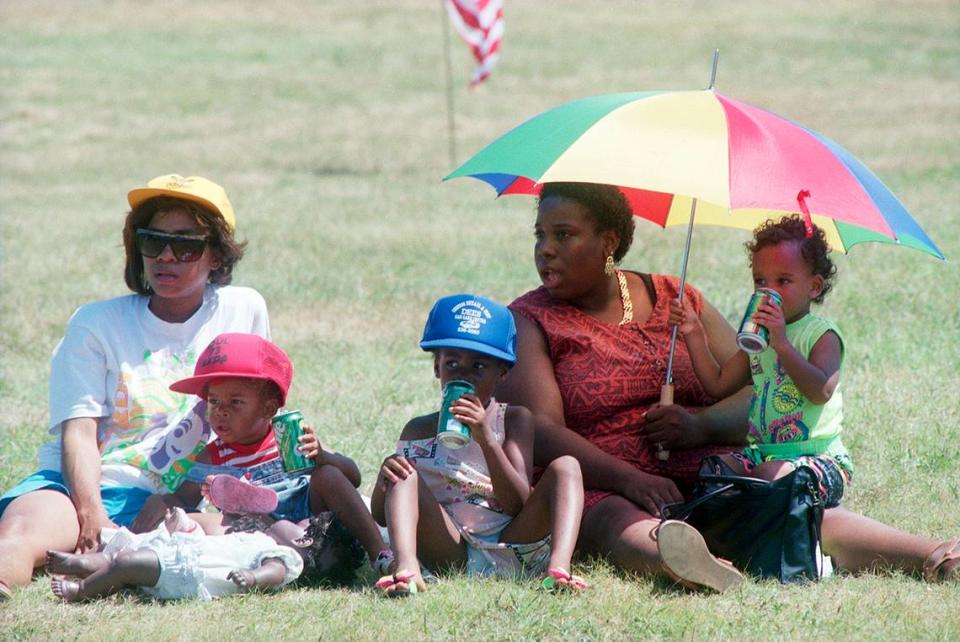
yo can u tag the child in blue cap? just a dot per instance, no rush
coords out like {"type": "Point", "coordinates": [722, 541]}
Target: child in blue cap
{"type": "Point", "coordinates": [474, 507]}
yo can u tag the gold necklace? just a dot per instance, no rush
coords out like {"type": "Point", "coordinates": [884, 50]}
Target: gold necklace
{"type": "Point", "coordinates": [625, 298]}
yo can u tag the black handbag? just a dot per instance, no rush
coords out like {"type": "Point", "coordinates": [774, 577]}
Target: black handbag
{"type": "Point", "coordinates": [767, 529]}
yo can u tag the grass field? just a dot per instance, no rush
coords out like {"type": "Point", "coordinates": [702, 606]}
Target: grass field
{"type": "Point", "coordinates": [326, 122]}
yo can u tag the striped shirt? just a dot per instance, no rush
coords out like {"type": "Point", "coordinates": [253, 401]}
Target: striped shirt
{"type": "Point", "coordinates": [243, 455]}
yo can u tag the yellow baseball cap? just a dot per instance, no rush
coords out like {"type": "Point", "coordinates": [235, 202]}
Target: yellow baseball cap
{"type": "Point", "coordinates": [192, 188]}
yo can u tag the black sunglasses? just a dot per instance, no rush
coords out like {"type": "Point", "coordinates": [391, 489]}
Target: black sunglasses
{"type": "Point", "coordinates": [185, 248]}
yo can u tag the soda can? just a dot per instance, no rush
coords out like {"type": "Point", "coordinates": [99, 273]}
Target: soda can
{"type": "Point", "coordinates": [450, 432]}
{"type": "Point", "coordinates": [287, 428]}
{"type": "Point", "coordinates": [753, 337]}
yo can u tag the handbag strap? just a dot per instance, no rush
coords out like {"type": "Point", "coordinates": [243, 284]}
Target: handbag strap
{"type": "Point", "coordinates": [681, 510]}
{"type": "Point", "coordinates": [733, 480]}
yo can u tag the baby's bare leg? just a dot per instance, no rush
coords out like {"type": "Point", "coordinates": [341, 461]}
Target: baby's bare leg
{"type": "Point", "coordinates": [128, 568]}
{"type": "Point", "coordinates": [77, 565]}
{"type": "Point", "coordinates": [269, 574]}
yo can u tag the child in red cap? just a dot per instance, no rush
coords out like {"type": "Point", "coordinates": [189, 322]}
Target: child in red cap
{"type": "Point", "coordinates": [244, 380]}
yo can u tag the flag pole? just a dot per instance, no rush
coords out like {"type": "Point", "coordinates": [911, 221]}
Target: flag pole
{"type": "Point", "coordinates": [666, 391]}
{"type": "Point", "coordinates": [451, 122]}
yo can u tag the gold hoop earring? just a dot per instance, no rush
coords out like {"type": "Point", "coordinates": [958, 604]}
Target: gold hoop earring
{"type": "Point", "coordinates": [608, 267]}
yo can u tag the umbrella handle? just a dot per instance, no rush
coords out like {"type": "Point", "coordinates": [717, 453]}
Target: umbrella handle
{"type": "Point", "coordinates": [666, 394]}
{"type": "Point", "coordinates": [666, 399]}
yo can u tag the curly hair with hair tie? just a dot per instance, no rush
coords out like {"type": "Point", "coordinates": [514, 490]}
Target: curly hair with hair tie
{"type": "Point", "coordinates": [606, 204]}
{"type": "Point", "coordinates": [813, 248]}
{"type": "Point", "coordinates": [326, 531]}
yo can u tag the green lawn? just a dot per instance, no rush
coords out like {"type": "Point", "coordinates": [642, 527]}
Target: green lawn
{"type": "Point", "coordinates": [326, 122]}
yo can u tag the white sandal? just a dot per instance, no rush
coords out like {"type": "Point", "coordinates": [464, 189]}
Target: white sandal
{"type": "Point", "coordinates": [686, 557]}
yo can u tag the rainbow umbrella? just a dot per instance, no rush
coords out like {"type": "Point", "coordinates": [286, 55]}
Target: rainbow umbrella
{"type": "Point", "coordinates": [682, 157]}
{"type": "Point", "coordinates": [664, 149]}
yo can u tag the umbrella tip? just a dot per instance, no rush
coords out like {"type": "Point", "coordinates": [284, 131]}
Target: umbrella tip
{"type": "Point", "coordinates": [713, 74]}
{"type": "Point", "coordinates": [807, 220]}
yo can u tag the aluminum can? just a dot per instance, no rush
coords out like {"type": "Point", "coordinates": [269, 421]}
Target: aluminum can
{"type": "Point", "coordinates": [450, 432]}
{"type": "Point", "coordinates": [753, 337]}
{"type": "Point", "coordinates": [287, 428]}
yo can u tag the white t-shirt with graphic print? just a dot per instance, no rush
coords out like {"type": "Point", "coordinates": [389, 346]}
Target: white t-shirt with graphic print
{"type": "Point", "coordinates": [115, 363]}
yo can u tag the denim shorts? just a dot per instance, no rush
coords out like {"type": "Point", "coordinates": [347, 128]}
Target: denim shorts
{"type": "Point", "coordinates": [293, 498]}
{"type": "Point", "coordinates": [122, 503]}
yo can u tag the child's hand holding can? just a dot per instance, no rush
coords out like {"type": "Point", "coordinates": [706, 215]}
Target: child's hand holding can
{"type": "Point", "coordinates": [470, 412]}
{"type": "Point", "coordinates": [308, 444]}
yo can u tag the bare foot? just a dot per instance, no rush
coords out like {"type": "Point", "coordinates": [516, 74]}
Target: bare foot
{"type": "Point", "coordinates": [66, 590]}
{"type": "Point", "coordinates": [77, 565]}
{"type": "Point", "coordinates": [243, 578]}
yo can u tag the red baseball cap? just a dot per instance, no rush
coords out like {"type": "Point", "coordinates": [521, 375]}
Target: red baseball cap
{"type": "Point", "coordinates": [239, 355]}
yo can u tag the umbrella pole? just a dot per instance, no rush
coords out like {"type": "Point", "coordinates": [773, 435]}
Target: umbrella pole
{"type": "Point", "coordinates": [666, 392]}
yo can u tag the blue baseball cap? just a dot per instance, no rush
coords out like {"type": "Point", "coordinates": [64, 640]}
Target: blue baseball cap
{"type": "Point", "coordinates": [473, 323]}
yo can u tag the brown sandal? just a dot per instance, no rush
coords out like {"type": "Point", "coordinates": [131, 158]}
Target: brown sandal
{"type": "Point", "coordinates": [944, 562]}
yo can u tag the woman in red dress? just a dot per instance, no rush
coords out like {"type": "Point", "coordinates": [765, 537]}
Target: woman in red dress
{"type": "Point", "coordinates": [591, 358]}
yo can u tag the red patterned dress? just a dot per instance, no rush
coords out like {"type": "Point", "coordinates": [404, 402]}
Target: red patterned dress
{"type": "Point", "coordinates": [610, 375]}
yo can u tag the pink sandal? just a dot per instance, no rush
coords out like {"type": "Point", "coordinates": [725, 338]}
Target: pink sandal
{"type": "Point", "coordinates": [232, 495]}
{"type": "Point", "coordinates": [389, 584]}
{"type": "Point", "coordinates": [944, 562]}
{"type": "Point", "coordinates": [559, 579]}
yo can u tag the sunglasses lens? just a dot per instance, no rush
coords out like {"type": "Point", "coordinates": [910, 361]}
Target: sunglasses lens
{"type": "Point", "coordinates": [186, 249]}
{"type": "Point", "coordinates": [149, 245]}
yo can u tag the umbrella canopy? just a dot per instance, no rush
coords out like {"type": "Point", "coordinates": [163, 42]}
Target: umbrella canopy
{"type": "Point", "coordinates": [743, 164]}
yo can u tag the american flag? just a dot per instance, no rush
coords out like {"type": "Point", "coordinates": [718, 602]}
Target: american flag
{"type": "Point", "coordinates": [480, 24]}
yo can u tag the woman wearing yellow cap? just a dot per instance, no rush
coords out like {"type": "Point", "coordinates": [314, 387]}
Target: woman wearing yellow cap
{"type": "Point", "coordinates": [119, 434]}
